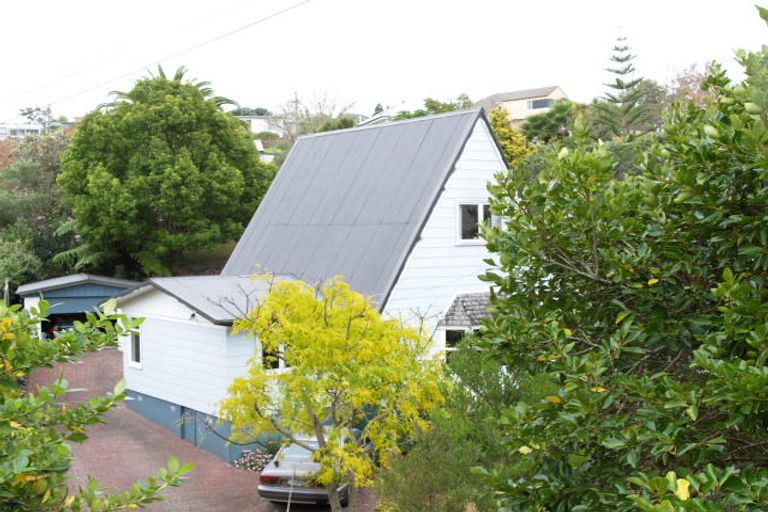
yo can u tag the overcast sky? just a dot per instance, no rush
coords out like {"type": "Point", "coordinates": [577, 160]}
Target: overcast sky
{"type": "Point", "coordinates": [71, 54]}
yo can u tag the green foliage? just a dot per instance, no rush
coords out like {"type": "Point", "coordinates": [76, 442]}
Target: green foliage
{"type": "Point", "coordinates": [159, 171]}
{"type": "Point", "coordinates": [623, 110]}
{"type": "Point", "coordinates": [337, 123]}
{"type": "Point", "coordinates": [438, 473]}
{"type": "Point", "coordinates": [246, 111]}
{"type": "Point", "coordinates": [555, 124]}
{"type": "Point", "coordinates": [18, 262]}
{"type": "Point", "coordinates": [37, 427]}
{"type": "Point", "coordinates": [349, 369]}
{"type": "Point", "coordinates": [513, 142]}
{"type": "Point", "coordinates": [31, 207]}
{"type": "Point", "coordinates": [266, 136]}
{"type": "Point", "coordinates": [433, 106]}
{"type": "Point", "coordinates": [641, 302]}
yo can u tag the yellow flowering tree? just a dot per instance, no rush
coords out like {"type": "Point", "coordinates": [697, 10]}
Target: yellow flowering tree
{"type": "Point", "coordinates": [352, 378]}
{"type": "Point", "coordinates": [513, 142]}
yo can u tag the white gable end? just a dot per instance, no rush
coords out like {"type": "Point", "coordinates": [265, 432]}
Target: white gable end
{"type": "Point", "coordinates": [441, 266]}
{"type": "Point", "coordinates": [158, 304]}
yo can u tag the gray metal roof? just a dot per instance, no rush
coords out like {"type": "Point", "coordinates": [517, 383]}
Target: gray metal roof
{"type": "Point", "coordinates": [468, 310]}
{"type": "Point", "coordinates": [219, 299]}
{"type": "Point", "coordinates": [28, 289]}
{"type": "Point", "coordinates": [490, 102]}
{"type": "Point", "coordinates": [352, 203]}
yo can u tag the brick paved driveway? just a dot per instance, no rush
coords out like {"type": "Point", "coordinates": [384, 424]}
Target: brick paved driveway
{"type": "Point", "coordinates": [130, 447]}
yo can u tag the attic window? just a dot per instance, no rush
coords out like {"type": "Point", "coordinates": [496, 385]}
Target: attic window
{"type": "Point", "coordinates": [540, 103]}
{"type": "Point", "coordinates": [471, 215]}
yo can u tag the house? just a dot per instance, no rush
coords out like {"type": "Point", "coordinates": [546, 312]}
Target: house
{"type": "Point", "coordinates": [72, 296]}
{"type": "Point", "coordinates": [394, 209]}
{"type": "Point", "coordinates": [268, 123]}
{"type": "Point", "coordinates": [520, 105]}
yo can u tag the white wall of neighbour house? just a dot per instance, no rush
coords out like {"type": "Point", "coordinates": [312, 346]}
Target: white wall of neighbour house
{"type": "Point", "coordinates": [441, 266]}
{"type": "Point", "coordinates": [185, 359]}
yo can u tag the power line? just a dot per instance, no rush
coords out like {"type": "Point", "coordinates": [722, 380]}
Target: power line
{"type": "Point", "coordinates": [97, 64]}
{"type": "Point", "coordinates": [180, 53]}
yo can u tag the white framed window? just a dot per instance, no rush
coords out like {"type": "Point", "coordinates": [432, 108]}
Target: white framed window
{"type": "Point", "coordinates": [273, 360]}
{"type": "Point", "coordinates": [453, 337]}
{"type": "Point", "coordinates": [135, 349]}
{"type": "Point", "coordinates": [470, 216]}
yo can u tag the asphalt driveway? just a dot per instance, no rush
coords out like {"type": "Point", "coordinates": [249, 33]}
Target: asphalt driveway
{"type": "Point", "coordinates": [130, 447]}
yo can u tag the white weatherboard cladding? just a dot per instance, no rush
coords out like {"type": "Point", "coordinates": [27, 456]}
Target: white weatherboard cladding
{"type": "Point", "coordinates": [186, 361]}
{"type": "Point", "coordinates": [439, 267]}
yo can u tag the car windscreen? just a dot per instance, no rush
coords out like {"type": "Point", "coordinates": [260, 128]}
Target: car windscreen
{"type": "Point", "coordinates": [295, 452]}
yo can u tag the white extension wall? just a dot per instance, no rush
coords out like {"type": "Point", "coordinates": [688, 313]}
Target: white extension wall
{"type": "Point", "coordinates": [184, 359]}
{"type": "Point", "coordinates": [440, 265]}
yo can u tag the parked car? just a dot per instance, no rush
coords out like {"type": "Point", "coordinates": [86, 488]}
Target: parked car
{"type": "Point", "coordinates": [289, 477]}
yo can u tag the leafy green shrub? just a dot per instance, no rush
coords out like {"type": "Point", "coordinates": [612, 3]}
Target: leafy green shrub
{"type": "Point", "coordinates": [641, 301]}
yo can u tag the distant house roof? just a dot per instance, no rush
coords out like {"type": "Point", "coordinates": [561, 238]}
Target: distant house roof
{"type": "Point", "coordinates": [489, 103]}
{"type": "Point", "coordinates": [468, 310]}
{"type": "Point", "coordinates": [219, 299]}
{"type": "Point", "coordinates": [28, 289]}
{"type": "Point", "coordinates": [353, 202]}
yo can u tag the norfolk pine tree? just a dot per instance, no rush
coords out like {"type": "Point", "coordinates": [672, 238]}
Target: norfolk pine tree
{"type": "Point", "coordinates": [349, 369]}
{"type": "Point", "coordinates": [620, 112]}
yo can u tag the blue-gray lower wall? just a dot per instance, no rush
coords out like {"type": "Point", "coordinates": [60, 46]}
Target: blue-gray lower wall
{"type": "Point", "coordinates": [199, 428]}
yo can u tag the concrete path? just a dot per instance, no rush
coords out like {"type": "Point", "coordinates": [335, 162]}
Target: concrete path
{"type": "Point", "coordinates": [129, 447]}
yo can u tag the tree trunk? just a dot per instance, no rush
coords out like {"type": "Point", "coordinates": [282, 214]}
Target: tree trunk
{"type": "Point", "coordinates": [333, 497]}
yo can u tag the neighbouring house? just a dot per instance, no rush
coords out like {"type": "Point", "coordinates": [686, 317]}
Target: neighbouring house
{"type": "Point", "coordinates": [520, 105]}
{"type": "Point", "coordinates": [71, 297]}
{"type": "Point", "coordinates": [19, 130]}
{"type": "Point", "coordinates": [395, 209]}
{"type": "Point", "coordinates": [260, 124]}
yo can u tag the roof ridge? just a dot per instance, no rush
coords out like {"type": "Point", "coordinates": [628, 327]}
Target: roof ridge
{"type": "Point", "coordinates": [473, 110]}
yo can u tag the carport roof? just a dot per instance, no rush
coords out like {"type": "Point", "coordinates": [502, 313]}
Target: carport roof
{"type": "Point", "coordinates": [28, 289]}
{"type": "Point", "coordinates": [218, 299]}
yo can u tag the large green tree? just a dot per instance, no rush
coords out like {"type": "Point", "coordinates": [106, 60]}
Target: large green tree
{"type": "Point", "coordinates": [639, 302]}
{"type": "Point", "coordinates": [161, 170]}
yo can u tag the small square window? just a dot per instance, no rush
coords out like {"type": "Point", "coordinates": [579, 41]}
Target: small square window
{"type": "Point", "coordinates": [471, 216]}
{"type": "Point", "coordinates": [453, 337]}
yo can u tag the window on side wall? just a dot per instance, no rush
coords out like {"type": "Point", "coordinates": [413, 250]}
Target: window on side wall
{"type": "Point", "coordinates": [452, 339]}
{"type": "Point", "coordinates": [136, 348]}
{"type": "Point", "coordinates": [471, 216]}
{"type": "Point", "coordinates": [540, 103]}
{"type": "Point", "coordinates": [273, 360]}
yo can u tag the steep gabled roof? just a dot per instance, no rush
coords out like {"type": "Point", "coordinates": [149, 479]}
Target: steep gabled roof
{"type": "Point", "coordinates": [489, 103]}
{"type": "Point", "coordinates": [28, 289]}
{"type": "Point", "coordinates": [353, 202]}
